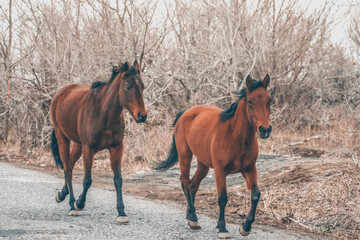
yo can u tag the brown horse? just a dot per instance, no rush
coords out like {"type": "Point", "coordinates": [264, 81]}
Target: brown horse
{"type": "Point", "coordinates": [92, 118]}
{"type": "Point", "coordinates": [224, 140]}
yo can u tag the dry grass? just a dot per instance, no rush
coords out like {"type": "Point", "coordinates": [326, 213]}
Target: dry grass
{"type": "Point", "coordinates": [323, 198]}
{"type": "Point", "coordinates": [336, 134]}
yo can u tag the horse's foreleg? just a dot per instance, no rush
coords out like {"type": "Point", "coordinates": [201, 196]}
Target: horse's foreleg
{"type": "Point", "coordinates": [88, 157]}
{"type": "Point", "coordinates": [74, 156]}
{"type": "Point", "coordinates": [251, 183]}
{"type": "Point", "coordinates": [220, 178]}
{"type": "Point", "coordinates": [115, 157]}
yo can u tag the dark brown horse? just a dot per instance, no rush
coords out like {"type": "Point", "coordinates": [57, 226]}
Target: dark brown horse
{"type": "Point", "coordinates": [92, 118]}
{"type": "Point", "coordinates": [224, 140]}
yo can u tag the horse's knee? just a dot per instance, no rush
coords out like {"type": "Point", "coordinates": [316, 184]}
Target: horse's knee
{"type": "Point", "coordinates": [68, 174]}
{"type": "Point", "coordinates": [255, 195]}
{"type": "Point", "coordinates": [87, 182]}
{"type": "Point", "coordinates": [185, 182]}
{"type": "Point", "coordinates": [118, 180]}
{"type": "Point", "coordinates": [222, 200]}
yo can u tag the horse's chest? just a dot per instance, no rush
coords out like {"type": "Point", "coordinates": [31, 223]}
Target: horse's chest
{"type": "Point", "coordinates": [107, 139]}
{"type": "Point", "coordinates": [244, 159]}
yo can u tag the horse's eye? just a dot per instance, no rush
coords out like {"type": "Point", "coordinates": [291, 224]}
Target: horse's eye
{"type": "Point", "coordinates": [128, 87]}
{"type": "Point", "coordinates": [250, 102]}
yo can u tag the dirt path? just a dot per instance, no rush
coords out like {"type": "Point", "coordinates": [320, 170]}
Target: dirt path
{"type": "Point", "coordinates": [28, 210]}
{"type": "Point", "coordinates": [306, 195]}
{"type": "Point", "coordinates": [170, 179]}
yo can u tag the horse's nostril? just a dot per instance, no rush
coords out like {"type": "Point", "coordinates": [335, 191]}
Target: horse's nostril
{"type": "Point", "coordinates": [265, 132]}
{"type": "Point", "coordinates": [261, 129]}
{"type": "Point", "coordinates": [141, 117]}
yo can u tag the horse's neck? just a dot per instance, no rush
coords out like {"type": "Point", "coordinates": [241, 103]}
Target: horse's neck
{"type": "Point", "coordinates": [111, 109]}
{"type": "Point", "coordinates": [243, 129]}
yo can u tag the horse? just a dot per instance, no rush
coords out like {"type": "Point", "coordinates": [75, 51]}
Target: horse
{"type": "Point", "coordinates": [224, 140]}
{"type": "Point", "coordinates": [92, 118]}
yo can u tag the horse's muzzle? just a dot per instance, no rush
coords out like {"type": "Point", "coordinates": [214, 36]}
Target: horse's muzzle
{"type": "Point", "coordinates": [142, 118]}
{"type": "Point", "coordinates": [264, 133]}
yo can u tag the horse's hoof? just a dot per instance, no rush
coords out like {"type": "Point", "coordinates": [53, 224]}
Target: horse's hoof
{"type": "Point", "coordinates": [76, 207]}
{"type": "Point", "coordinates": [74, 213]}
{"type": "Point", "coordinates": [194, 225]}
{"type": "Point", "coordinates": [223, 235]}
{"type": "Point", "coordinates": [122, 219]}
{"type": "Point", "coordinates": [57, 198]}
{"type": "Point", "coordinates": [243, 232]}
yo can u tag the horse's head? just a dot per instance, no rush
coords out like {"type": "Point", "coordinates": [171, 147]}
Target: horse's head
{"type": "Point", "coordinates": [131, 91]}
{"type": "Point", "coordinates": [258, 102]}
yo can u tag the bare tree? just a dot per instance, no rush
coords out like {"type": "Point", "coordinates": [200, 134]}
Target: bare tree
{"type": "Point", "coordinates": [6, 56]}
{"type": "Point", "coordinates": [197, 52]}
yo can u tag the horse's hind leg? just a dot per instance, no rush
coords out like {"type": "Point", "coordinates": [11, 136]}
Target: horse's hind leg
{"type": "Point", "coordinates": [251, 183]}
{"type": "Point", "coordinates": [201, 172]}
{"type": "Point", "coordinates": [64, 150]}
{"type": "Point", "coordinates": [185, 164]}
{"type": "Point", "coordinates": [60, 196]}
{"type": "Point", "coordinates": [88, 156]}
{"type": "Point", "coordinates": [74, 156]}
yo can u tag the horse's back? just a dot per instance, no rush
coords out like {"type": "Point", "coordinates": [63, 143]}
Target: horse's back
{"type": "Point", "coordinates": [204, 116]}
{"type": "Point", "coordinates": [65, 107]}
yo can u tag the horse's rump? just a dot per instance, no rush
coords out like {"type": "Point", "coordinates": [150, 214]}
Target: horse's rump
{"type": "Point", "coordinates": [195, 130]}
{"type": "Point", "coordinates": [67, 104]}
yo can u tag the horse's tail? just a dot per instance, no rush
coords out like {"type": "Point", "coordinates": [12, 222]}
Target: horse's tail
{"type": "Point", "coordinates": [172, 159]}
{"type": "Point", "coordinates": [55, 150]}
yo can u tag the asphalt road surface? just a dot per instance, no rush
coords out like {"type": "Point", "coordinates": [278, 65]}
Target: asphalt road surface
{"type": "Point", "coordinates": [28, 211]}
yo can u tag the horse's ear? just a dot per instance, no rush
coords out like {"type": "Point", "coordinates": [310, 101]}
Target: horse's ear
{"type": "Point", "coordinates": [125, 67]}
{"type": "Point", "coordinates": [137, 66]}
{"type": "Point", "coordinates": [266, 81]}
{"type": "Point", "coordinates": [248, 82]}
{"type": "Point", "coordinates": [115, 68]}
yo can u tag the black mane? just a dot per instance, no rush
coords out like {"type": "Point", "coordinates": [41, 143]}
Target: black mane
{"type": "Point", "coordinates": [230, 111]}
{"type": "Point", "coordinates": [116, 70]}
{"type": "Point", "coordinates": [97, 84]}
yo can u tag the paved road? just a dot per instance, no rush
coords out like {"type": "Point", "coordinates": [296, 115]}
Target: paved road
{"type": "Point", "coordinates": [28, 211]}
